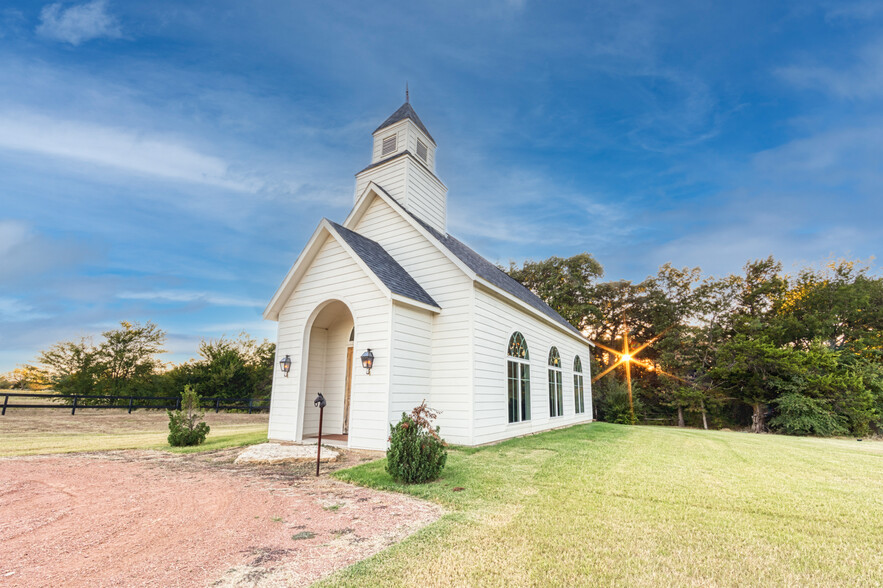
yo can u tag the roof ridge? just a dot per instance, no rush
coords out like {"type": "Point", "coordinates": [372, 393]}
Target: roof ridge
{"type": "Point", "coordinates": [384, 265]}
{"type": "Point", "coordinates": [499, 278]}
{"type": "Point", "coordinates": [405, 111]}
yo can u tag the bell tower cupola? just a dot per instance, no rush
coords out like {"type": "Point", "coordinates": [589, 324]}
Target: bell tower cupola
{"type": "Point", "coordinates": [403, 164]}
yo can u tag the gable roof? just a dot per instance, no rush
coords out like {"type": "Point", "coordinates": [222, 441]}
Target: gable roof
{"type": "Point", "coordinates": [470, 262]}
{"type": "Point", "coordinates": [393, 276]}
{"type": "Point", "coordinates": [493, 274]}
{"type": "Point", "coordinates": [405, 111]}
{"type": "Point", "coordinates": [390, 277]}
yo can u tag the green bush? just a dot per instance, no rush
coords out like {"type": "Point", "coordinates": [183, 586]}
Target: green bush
{"type": "Point", "coordinates": [416, 453]}
{"type": "Point", "coordinates": [611, 399]}
{"type": "Point", "coordinates": [186, 425]}
{"type": "Point", "coordinates": [802, 415]}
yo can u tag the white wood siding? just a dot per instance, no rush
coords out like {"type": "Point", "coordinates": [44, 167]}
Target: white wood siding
{"type": "Point", "coordinates": [414, 134]}
{"type": "Point", "coordinates": [495, 321]}
{"type": "Point", "coordinates": [413, 187]}
{"type": "Point", "coordinates": [401, 142]}
{"type": "Point", "coordinates": [329, 373]}
{"type": "Point", "coordinates": [426, 197]}
{"type": "Point", "coordinates": [334, 275]}
{"type": "Point", "coordinates": [410, 382]}
{"type": "Point", "coordinates": [451, 383]}
{"type": "Point", "coordinates": [407, 134]}
{"type": "Point", "coordinates": [391, 176]}
{"type": "Point", "coordinates": [316, 372]}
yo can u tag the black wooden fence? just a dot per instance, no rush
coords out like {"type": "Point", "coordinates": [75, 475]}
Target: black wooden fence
{"type": "Point", "coordinates": [134, 402]}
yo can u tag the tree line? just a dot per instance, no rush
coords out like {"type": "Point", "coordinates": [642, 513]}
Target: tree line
{"type": "Point", "coordinates": [799, 354]}
{"type": "Point", "coordinates": [125, 362]}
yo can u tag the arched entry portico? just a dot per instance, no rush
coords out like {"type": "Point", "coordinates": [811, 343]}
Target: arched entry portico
{"type": "Point", "coordinates": [329, 369]}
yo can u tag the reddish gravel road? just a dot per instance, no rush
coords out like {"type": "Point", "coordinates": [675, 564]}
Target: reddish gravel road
{"type": "Point", "coordinates": [141, 518]}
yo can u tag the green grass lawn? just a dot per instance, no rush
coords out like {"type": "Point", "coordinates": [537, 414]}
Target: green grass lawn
{"type": "Point", "coordinates": [642, 506]}
{"type": "Point", "coordinates": [43, 431]}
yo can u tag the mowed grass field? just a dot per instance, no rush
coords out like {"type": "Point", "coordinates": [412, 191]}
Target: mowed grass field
{"type": "Point", "coordinates": [32, 431]}
{"type": "Point", "coordinates": [604, 504]}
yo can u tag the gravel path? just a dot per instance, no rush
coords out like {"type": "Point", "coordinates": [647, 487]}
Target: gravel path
{"type": "Point", "coordinates": [139, 518]}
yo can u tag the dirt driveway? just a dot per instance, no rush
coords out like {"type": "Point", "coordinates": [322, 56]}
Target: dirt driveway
{"type": "Point", "coordinates": [144, 518]}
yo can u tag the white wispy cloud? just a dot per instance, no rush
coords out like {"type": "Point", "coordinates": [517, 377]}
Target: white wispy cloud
{"type": "Point", "coordinates": [124, 149]}
{"type": "Point", "coordinates": [862, 10]}
{"type": "Point", "coordinates": [191, 296]}
{"type": "Point", "coordinates": [861, 80]}
{"type": "Point", "coordinates": [15, 310]}
{"type": "Point", "coordinates": [79, 23]}
{"type": "Point", "coordinates": [12, 234]}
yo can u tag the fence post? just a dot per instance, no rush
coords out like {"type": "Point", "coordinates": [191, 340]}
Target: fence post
{"type": "Point", "coordinates": [178, 403]}
{"type": "Point", "coordinates": [5, 402]}
{"type": "Point", "coordinates": [131, 400]}
{"type": "Point", "coordinates": [249, 405]}
{"type": "Point", "coordinates": [74, 408]}
{"type": "Point", "coordinates": [217, 405]}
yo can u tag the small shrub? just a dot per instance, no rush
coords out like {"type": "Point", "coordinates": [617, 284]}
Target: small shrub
{"type": "Point", "coordinates": [186, 425]}
{"type": "Point", "coordinates": [612, 402]}
{"type": "Point", "coordinates": [416, 453]}
{"type": "Point", "coordinates": [802, 415]}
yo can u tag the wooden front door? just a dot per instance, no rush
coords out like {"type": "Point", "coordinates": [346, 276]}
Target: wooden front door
{"type": "Point", "coordinates": [346, 394]}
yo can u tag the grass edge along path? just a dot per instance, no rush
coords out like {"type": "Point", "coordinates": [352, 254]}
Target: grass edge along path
{"type": "Point", "coordinates": [641, 506]}
{"type": "Point", "coordinates": [220, 437]}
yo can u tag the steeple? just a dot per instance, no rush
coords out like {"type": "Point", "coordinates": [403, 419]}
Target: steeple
{"type": "Point", "coordinates": [403, 164]}
{"type": "Point", "coordinates": [405, 111]}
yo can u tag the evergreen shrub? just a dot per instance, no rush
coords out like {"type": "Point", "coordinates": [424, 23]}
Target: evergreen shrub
{"type": "Point", "coordinates": [416, 453]}
{"type": "Point", "coordinates": [186, 426]}
{"type": "Point", "coordinates": [802, 415]}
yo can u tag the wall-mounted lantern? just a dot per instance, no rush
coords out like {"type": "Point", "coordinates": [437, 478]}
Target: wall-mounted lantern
{"type": "Point", "coordinates": [368, 361]}
{"type": "Point", "coordinates": [285, 365]}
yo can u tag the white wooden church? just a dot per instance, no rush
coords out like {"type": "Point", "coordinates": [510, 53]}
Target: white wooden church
{"type": "Point", "coordinates": [442, 323]}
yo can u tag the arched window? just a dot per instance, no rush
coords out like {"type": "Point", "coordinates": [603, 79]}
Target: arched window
{"type": "Point", "coordinates": [556, 392]}
{"type": "Point", "coordinates": [517, 346]}
{"type": "Point", "coordinates": [518, 379]}
{"type": "Point", "coordinates": [579, 398]}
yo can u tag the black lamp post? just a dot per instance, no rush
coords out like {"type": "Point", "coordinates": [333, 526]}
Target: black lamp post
{"type": "Point", "coordinates": [368, 361]}
{"type": "Point", "coordinates": [320, 402]}
{"type": "Point", "coordinates": [285, 365]}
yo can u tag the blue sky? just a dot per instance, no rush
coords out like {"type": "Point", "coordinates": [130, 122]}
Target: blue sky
{"type": "Point", "coordinates": [167, 161]}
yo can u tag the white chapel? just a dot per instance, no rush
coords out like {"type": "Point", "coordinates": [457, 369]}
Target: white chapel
{"type": "Point", "coordinates": [442, 323]}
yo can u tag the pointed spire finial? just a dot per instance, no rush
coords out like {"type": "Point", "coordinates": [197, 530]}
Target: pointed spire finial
{"type": "Point", "coordinates": [407, 94]}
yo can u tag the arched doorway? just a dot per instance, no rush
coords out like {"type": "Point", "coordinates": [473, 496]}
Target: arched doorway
{"type": "Point", "coordinates": [330, 371]}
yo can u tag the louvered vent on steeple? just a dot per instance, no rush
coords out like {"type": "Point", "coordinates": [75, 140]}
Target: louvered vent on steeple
{"type": "Point", "coordinates": [389, 145]}
{"type": "Point", "coordinates": [403, 164]}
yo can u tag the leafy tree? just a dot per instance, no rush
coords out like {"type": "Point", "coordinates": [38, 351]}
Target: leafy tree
{"type": "Point", "coordinates": [755, 371]}
{"type": "Point", "coordinates": [759, 291]}
{"type": "Point", "coordinates": [610, 396]}
{"type": "Point", "coordinates": [126, 361]}
{"type": "Point", "coordinates": [72, 366]}
{"type": "Point", "coordinates": [802, 415]}
{"type": "Point", "coordinates": [228, 369]}
{"type": "Point", "coordinates": [122, 364]}
{"type": "Point", "coordinates": [29, 377]}
{"type": "Point", "coordinates": [840, 304]}
{"type": "Point", "coordinates": [564, 284]}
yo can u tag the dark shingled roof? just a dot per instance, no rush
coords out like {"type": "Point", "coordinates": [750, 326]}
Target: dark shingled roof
{"type": "Point", "coordinates": [404, 153]}
{"type": "Point", "coordinates": [496, 276]}
{"type": "Point", "coordinates": [489, 271]}
{"type": "Point", "coordinates": [384, 266]}
{"type": "Point", "coordinates": [401, 114]}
